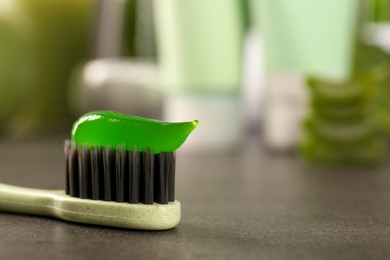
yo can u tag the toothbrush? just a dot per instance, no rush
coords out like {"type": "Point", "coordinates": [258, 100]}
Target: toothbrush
{"type": "Point", "coordinates": [120, 172]}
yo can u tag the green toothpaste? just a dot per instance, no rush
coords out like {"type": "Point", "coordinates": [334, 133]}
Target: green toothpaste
{"type": "Point", "coordinates": [113, 129]}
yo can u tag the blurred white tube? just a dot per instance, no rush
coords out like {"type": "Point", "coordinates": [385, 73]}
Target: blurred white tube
{"type": "Point", "coordinates": [253, 92]}
{"type": "Point", "coordinates": [117, 84]}
{"type": "Point", "coordinates": [285, 106]}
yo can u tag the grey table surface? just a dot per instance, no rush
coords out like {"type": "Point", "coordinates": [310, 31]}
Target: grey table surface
{"type": "Point", "coordinates": [246, 205]}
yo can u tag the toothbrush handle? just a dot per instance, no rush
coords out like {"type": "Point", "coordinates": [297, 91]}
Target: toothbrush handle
{"type": "Point", "coordinates": [25, 200]}
{"type": "Point", "coordinates": [59, 205]}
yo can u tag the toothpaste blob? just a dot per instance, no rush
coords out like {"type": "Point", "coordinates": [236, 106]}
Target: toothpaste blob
{"type": "Point", "coordinates": [113, 129]}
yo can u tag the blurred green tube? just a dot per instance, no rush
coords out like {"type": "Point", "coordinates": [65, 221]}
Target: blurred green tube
{"type": "Point", "coordinates": [307, 36]}
{"type": "Point", "coordinates": [200, 44]}
{"type": "Point", "coordinates": [40, 42]}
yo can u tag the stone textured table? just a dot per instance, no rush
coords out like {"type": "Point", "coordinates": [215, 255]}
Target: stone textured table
{"type": "Point", "coordinates": [247, 205]}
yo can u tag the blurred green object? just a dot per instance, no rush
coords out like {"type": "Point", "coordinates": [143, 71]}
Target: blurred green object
{"type": "Point", "coordinates": [15, 60]}
{"type": "Point", "coordinates": [129, 29]}
{"type": "Point", "coordinates": [348, 120]}
{"type": "Point", "coordinates": [338, 130]}
{"type": "Point", "coordinates": [376, 64]}
{"type": "Point", "coordinates": [339, 133]}
{"type": "Point", "coordinates": [377, 10]}
{"type": "Point", "coordinates": [321, 153]}
{"type": "Point", "coordinates": [335, 94]}
{"type": "Point", "coordinates": [137, 30]}
{"type": "Point", "coordinates": [347, 101]}
{"type": "Point", "coordinates": [40, 42]}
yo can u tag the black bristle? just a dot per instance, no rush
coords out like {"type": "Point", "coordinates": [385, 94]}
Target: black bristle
{"type": "Point", "coordinates": [67, 146]}
{"type": "Point", "coordinates": [160, 190]}
{"type": "Point", "coordinates": [73, 169]}
{"type": "Point", "coordinates": [119, 175]}
{"type": "Point", "coordinates": [97, 173]}
{"type": "Point", "coordinates": [171, 166]}
{"type": "Point", "coordinates": [108, 176]}
{"type": "Point", "coordinates": [146, 187]}
{"type": "Point", "coordinates": [134, 176]}
{"type": "Point", "coordinates": [85, 178]}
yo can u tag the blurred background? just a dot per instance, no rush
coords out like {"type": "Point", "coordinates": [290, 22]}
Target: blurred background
{"type": "Point", "coordinates": [307, 78]}
{"type": "Point", "coordinates": [291, 156]}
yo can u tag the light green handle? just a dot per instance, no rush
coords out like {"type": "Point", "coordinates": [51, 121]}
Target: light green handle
{"type": "Point", "coordinates": [57, 204]}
